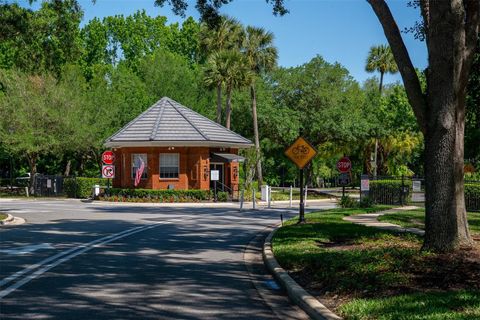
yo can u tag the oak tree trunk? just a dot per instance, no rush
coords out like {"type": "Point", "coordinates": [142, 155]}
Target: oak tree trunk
{"type": "Point", "coordinates": [32, 163]}
{"type": "Point", "coordinates": [451, 29]}
{"type": "Point", "coordinates": [446, 220]}
{"type": "Point", "coordinates": [256, 135]}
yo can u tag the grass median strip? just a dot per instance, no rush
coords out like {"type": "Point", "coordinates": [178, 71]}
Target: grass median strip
{"type": "Point", "coordinates": [3, 216]}
{"type": "Point", "coordinates": [366, 273]}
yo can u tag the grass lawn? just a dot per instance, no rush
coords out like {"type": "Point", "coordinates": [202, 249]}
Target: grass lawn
{"type": "Point", "coordinates": [366, 273]}
{"type": "Point", "coordinates": [3, 216]}
{"type": "Point", "coordinates": [416, 219]}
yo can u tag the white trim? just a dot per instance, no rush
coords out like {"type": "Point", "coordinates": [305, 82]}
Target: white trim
{"type": "Point", "coordinates": [122, 144]}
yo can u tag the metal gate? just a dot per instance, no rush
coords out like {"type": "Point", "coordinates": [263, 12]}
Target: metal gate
{"type": "Point", "coordinates": [48, 186]}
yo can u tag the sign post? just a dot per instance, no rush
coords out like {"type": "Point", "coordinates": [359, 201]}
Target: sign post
{"type": "Point", "coordinates": [344, 166]}
{"type": "Point", "coordinates": [214, 176]}
{"type": "Point", "coordinates": [108, 169]}
{"type": "Point", "coordinates": [301, 153]}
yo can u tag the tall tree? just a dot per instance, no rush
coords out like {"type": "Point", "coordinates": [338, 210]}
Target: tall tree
{"type": "Point", "coordinates": [261, 56]}
{"type": "Point", "coordinates": [224, 36]}
{"type": "Point", "coordinates": [380, 58]}
{"type": "Point", "coordinates": [226, 68]}
{"type": "Point", "coordinates": [450, 30]}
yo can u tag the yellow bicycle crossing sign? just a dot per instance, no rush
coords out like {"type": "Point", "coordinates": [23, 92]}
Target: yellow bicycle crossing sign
{"type": "Point", "coordinates": [301, 152]}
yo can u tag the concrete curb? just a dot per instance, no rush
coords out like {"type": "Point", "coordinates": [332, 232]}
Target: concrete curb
{"type": "Point", "coordinates": [11, 220]}
{"type": "Point", "coordinates": [297, 294]}
{"type": "Point", "coordinates": [7, 220]}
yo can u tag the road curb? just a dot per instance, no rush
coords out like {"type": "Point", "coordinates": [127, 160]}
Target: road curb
{"type": "Point", "coordinates": [11, 220]}
{"type": "Point", "coordinates": [7, 220]}
{"type": "Point", "coordinates": [297, 294]}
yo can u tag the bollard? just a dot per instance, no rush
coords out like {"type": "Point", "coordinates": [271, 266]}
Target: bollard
{"type": "Point", "coordinates": [291, 195]}
{"type": "Point", "coordinates": [241, 200]}
{"type": "Point", "coordinates": [253, 198]}
{"type": "Point", "coordinates": [26, 192]}
{"type": "Point", "coordinates": [269, 195]}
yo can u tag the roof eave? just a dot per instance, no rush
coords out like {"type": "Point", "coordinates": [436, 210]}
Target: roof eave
{"type": "Point", "coordinates": [219, 144]}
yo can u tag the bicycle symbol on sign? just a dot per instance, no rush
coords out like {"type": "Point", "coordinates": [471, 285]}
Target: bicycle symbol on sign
{"type": "Point", "coordinates": [300, 150]}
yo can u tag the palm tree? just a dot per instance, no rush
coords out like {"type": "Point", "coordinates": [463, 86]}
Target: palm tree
{"type": "Point", "coordinates": [227, 68]}
{"type": "Point", "coordinates": [261, 56]}
{"type": "Point", "coordinates": [380, 58]}
{"type": "Point", "coordinates": [214, 77]}
{"type": "Point", "coordinates": [225, 36]}
{"type": "Point", "coordinates": [238, 75]}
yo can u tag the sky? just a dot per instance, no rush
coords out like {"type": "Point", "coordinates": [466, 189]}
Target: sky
{"type": "Point", "coordinates": [339, 30]}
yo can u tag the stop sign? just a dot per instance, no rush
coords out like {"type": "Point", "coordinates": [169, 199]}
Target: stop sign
{"type": "Point", "coordinates": [108, 157]}
{"type": "Point", "coordinates": [344, 165]}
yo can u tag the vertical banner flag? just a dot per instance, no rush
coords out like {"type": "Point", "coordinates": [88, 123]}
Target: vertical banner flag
{"type": "Point", "coordinates": [140, 164]}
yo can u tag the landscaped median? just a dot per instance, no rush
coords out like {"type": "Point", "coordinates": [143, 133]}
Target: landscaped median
{"type": "Point", "coordinates": [361, 272]}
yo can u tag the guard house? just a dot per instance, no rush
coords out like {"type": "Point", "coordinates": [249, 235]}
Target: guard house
{"type": "Point", "coordinates": [179, 147]}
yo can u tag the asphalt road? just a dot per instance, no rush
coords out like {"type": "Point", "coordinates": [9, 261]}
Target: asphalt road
{"type": "Point", "coordinates": [75, 260]}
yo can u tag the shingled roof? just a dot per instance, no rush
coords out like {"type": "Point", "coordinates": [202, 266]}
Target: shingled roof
{"type": "Point", "coordinates": [168, 123]}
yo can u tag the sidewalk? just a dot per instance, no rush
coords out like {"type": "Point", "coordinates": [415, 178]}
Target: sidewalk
{"type": "Point", "coordinates": [371, 220]}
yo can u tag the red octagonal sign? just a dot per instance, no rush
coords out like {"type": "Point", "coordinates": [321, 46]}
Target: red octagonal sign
{"type": "Point", "coordinates": [344, 165]}
{"type": "Point", "coordinates": [108, 157]}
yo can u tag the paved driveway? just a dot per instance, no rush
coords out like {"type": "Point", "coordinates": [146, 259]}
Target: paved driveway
{"type": "Point", "coordinates": [75, 260]}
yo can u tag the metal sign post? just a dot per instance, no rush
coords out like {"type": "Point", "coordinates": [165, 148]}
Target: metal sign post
{"type": "Point", "coordinates": [214, 176]}
{"type": "Point", "coordinates": [301, 153]}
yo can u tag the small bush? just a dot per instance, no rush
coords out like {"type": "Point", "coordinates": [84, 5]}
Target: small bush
{"type": "Point", "coordinates": [222, 196]}
{"type": "Point", "coordinates": [348, 202]}
{"type": "Point", "coordinates": [365, 202]}
{"type": "Point", "coordinates": [81, 187]}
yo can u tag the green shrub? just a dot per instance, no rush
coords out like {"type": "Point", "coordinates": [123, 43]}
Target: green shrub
{"type": "Point", "coordinates": [348, 202]}
{"type": "Point", "coordinates": [222, 196]}
{"type": "Point", "coordinates": [365, 202]}
{"type": "Point", "coordinates": [389, 191]}
{"type": "Point", "coordinates": [81, 187]}
{"type": "Point", "coordinates": [152, 195]}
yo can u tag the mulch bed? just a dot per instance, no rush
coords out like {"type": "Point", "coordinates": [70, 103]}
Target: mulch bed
{"type": "Point", "coordinates": [435, 272]}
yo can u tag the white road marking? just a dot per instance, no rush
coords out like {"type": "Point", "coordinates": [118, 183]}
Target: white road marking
{"type": "Point", "coordinates": [27, 249]}
{"type": "Point", "coordinates": [64, 256]}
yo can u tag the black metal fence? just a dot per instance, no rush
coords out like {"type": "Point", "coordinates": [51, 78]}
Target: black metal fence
{"type": "Point", "coordinates": [48, 186]}
{"type": "Point", "coordinates": [396, 190]}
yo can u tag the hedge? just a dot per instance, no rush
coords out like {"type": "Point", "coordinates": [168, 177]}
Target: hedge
{"type": "Point", "coordinates": [81, 187]}
{"type": "Point", "coordinates": [389, 191]}
{"type": "Point", "coordinates": [149, 195]}
{"type": "Point", "coordinates": [162, 195]}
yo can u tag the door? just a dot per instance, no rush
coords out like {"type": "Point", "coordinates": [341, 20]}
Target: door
{"type": "Point", "coordinates": [219, 167]}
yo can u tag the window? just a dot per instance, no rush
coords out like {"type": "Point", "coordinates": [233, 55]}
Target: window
{"type": "Point", "coordinates": [169, 165]}
{"type": "Point", "coordinates": [137, 160]}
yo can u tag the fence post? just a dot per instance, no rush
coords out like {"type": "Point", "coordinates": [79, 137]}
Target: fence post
{"type": "Point", "coordinates": [306, 193]}
{"type": "Point", "coordinates": [402, 194]}
{"type": "Point", "coordinates": [291, 195]}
